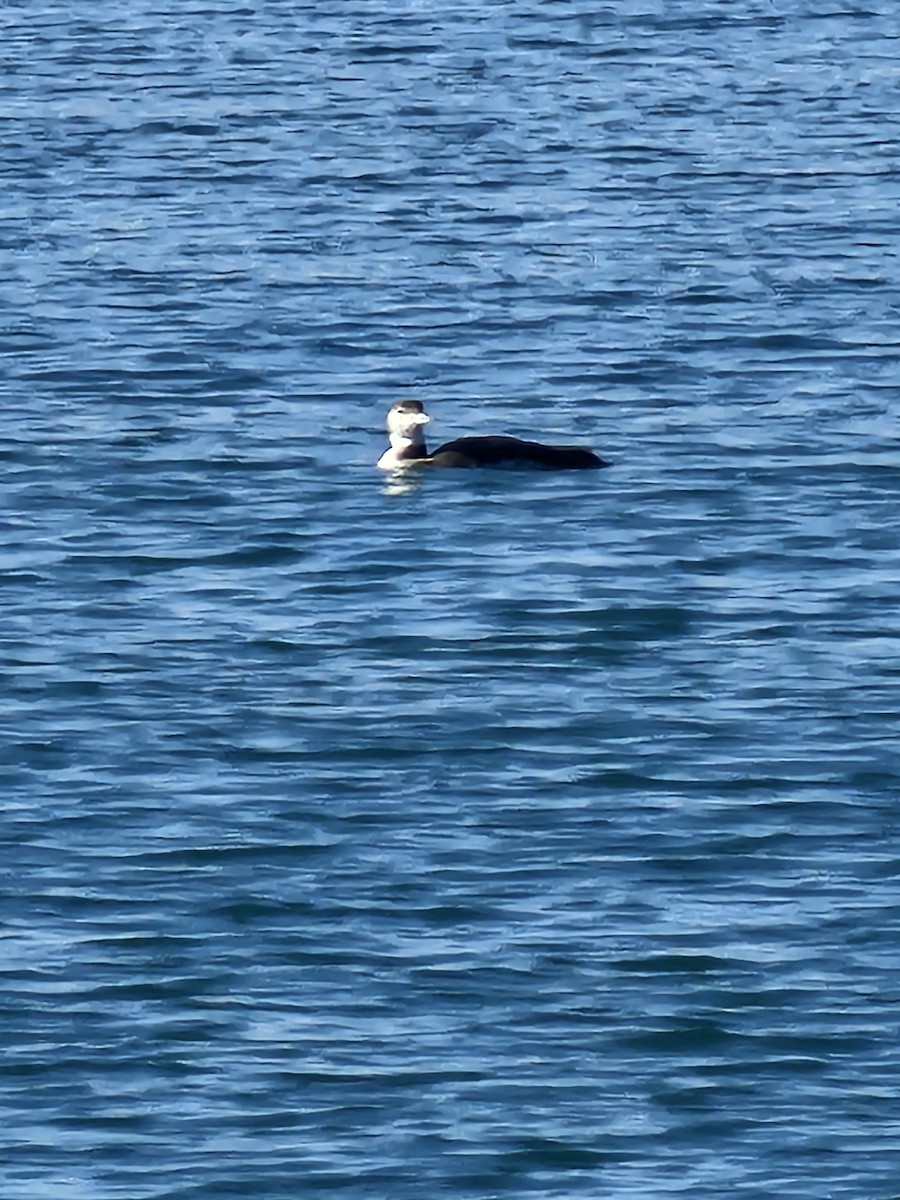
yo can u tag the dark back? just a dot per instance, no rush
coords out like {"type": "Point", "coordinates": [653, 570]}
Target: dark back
{"type": "Point", "coordinates": [499, 451]}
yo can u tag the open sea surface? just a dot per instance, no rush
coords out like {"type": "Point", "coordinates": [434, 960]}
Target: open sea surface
{"type": "Point", "coordinates": [477, 834]}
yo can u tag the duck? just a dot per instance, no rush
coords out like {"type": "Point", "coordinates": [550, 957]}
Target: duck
{"type": "Point", "coordinates": [405, 424]}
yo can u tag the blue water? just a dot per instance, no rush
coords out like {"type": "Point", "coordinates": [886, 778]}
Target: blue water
{"type": "Point", "coordinates": [483, 834]}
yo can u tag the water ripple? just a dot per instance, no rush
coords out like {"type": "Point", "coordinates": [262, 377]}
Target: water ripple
{"type": "Point", "coordinates": [504, 834]}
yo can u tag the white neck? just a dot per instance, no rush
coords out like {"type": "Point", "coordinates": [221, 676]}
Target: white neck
{"type": "Point", "coordinates": [394, 457]}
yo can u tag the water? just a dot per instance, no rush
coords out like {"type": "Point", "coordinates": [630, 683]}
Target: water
{"type": "Point", "coordinates": [492, 834]}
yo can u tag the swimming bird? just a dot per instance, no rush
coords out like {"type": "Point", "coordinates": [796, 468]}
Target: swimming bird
{"type": "Point", "coordinates": [405, 422]}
